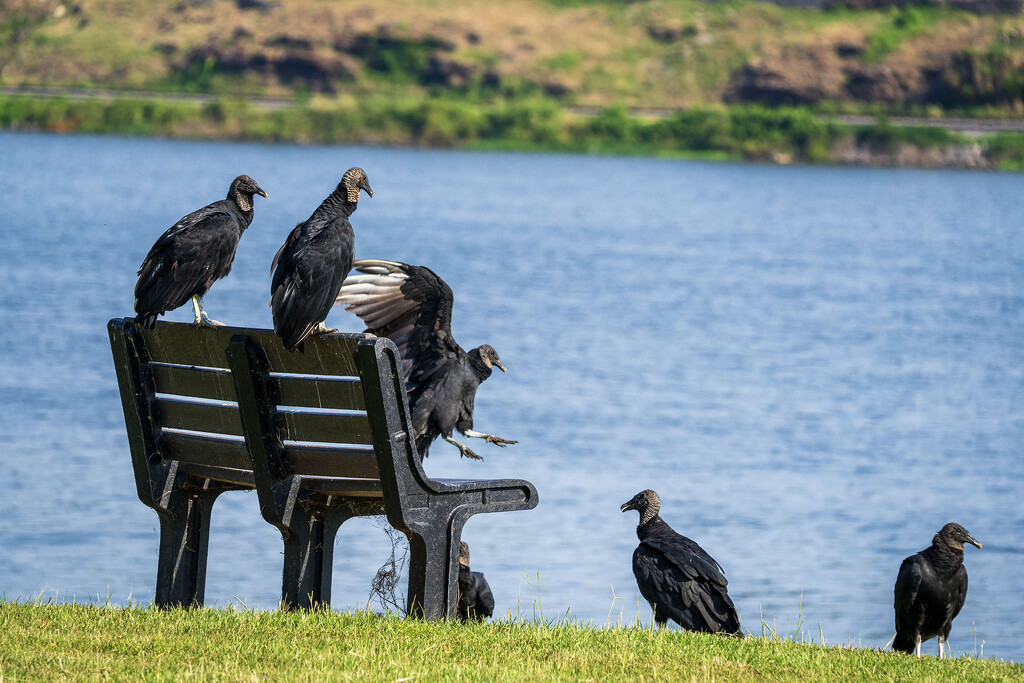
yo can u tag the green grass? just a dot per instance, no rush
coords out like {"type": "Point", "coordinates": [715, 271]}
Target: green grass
{"type": "Point", "coordinates": [901, 24]}
{"type": "Point", "coordinates": [78, 642]}
{"type": "Point", "coordinates": [748, 132]}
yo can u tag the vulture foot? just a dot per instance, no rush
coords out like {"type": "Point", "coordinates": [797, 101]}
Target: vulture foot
{"type": "Point", "coordinates": [466, 452]}
{"type": "Point", "coordinates": [489, 438]}
{"type": "Point", "coordinates": [202, 319]}
{"type": "Point", "coordinates": [321, 328]}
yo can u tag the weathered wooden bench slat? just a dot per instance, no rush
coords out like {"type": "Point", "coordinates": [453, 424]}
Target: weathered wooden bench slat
{"type": "Point", "coordinates": [186, 380]}
{"type": "Point", "coordinates": [348, 488]}
{"type": "Point", "coordinates": [242, 478]}
{"type": "Point", "coordinates": [335, 393]}
{"type": "Point", "coordinates": [215, 418]}
{"type": "Point", "coordinates": [332, 461]}
{"type": "Point", "coordinates": [191, 345]}
{"type": "Point", "coordinates": [326, 427]}
{"type": "Point", "coordinates": [205, 450]}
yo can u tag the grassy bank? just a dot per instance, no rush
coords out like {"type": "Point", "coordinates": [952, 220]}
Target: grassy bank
{"type": "Point", "coordinates": [597, 53]}
{"type": "Point", "coordinates": [739, 132]}
{"type": "Point", "coordinates": [53, 642]}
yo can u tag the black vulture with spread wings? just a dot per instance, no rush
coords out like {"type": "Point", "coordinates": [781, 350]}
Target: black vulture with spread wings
{"type": "Point", "coordinates": [313, 262]}
{"type": "Point", "coordinates": [679, 579]}
{"type": "Point", "coordinates": [194, 253]}
{"type": "Point", "coordinates": [930, 590]}
{"type": "Point", "coordinates": [412, 306]}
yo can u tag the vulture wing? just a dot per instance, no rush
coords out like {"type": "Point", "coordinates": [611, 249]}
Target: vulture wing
{"type": "Point", "coordinates": [908, 581]}
{"type": "Point", "coordinates": [186, 258]}
{"type": "Point", "coordinates": [685, 587]}
{"type": "Point", "coordinates": [410, 305]}
{"type": "Point", "coordinates": [307, 278]}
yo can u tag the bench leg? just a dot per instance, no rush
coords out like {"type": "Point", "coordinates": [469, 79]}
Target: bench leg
{"type": "Point", "coordinates": [184, 541]}
{"type": "Point", "coordinates": [434, 570]}
{"type": "Point", "coordinates": [309, 557]}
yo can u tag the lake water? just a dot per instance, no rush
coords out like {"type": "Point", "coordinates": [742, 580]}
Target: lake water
{"type": "Point", "coordinates": [816, 368]}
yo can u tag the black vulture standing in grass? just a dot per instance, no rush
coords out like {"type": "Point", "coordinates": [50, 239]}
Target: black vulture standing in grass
{"type": "Point", "coordinates": [313, 262]}
{"type": "Point", "coordinates": [412, 306]}
{"type": "Point", "coordinates": [930, 590]}
{"type": "Point", "coordinates": [475, 599]}
{"type": "Point", "coordinates": [676, 576]}
{"type": "Point", "coordinates": [194, 253]}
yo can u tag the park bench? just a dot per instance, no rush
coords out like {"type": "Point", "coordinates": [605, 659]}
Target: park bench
{"type": "Point", "coordinates": [323, 436]}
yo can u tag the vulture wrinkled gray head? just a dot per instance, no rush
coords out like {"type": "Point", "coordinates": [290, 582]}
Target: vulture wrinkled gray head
{"type": "Point", "coordinates": [954, 536]}
{"type": "Point", "coordinates": [354, 180]}
{"type": "Point", "coordinates": [647, 503]}
{"type": "Point", "coordinates": [490, 357]}
{"type": "Point", "coordinates": [242, 190]}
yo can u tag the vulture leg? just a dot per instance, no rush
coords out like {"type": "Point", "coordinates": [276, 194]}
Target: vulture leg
{"type": "Point", "coordinates": [942, 641]}
{"type": "Point", "coordinates": [463, 449]}
{"type": "Point", "coordinates": [321, 328]}
{"type": "Point", "coordinates": [202, 319]}
{"type": "Point", "coordinates": [489, 438]}
{"type": "Point", "coordinates": [918, 648]}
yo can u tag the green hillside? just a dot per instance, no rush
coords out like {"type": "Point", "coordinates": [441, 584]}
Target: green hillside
{"type": "Point", "coordinates": [729, 78]}
{"type": "Point", "coordinates": [654, 54]}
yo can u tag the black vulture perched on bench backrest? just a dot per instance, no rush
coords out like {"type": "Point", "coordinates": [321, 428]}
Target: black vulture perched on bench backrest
{"type": "Point", "coordinates": [194, 253]}
{"type": "Point", "coordinates": [680, 580]}
{"type": "Point", "coordinates": [930, 590]}
{"type": "Point", "coordinates": [412, 306]}
{"type": "Point", "coordinates": [313, 262]}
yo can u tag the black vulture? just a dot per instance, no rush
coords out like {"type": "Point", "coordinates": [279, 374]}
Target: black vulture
{"type": "Point", "coordinates": [930, 590]}
{"type": "Point", "coordinates": [413, 307]}
{"type": "Point", "coordinates": [313, 262]}
{"type": "Point", "coordinates": [194, 253]}
{"type": "Point", "coordinates": [676, 576]}
{"type": "Point", "coordinates": [475, 599]}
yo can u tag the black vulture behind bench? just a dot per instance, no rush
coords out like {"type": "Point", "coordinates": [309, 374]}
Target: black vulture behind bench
{"type": "Point", "coordinates": [322, 436]}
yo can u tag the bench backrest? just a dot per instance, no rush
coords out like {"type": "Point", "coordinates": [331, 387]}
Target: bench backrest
{"type": "Point", "coordinates": [182, 404]}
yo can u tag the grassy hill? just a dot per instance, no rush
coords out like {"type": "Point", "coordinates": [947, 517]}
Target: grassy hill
{"type": "Point", "coordinates": [654, 54]}
{"type": "Point", "coordinates": [75, 642]}
{"type": "Point", "coordinates": [731, 78]}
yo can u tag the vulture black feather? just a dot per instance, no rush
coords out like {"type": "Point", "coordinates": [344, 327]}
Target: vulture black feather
{"type": "Point", "coordinates": [930, 590]}
{"type": "Point", "coordinates": [475, 599]}
{"type": "Point", "coordinates": [412, 306]}
{"type": "Point", "coordinates": [680, 580]}
{"type": "Point", "coordinates": [194, 253]}
{"type": "Point", "coordinates": [313, 262]}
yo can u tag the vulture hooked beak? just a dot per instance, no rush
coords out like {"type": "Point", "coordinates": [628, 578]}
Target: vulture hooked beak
{"type": "Point", "coordinates": [260, 192]}
{"type": "Point", "coordinates": [365, 185]}
{"type": "Point", "coordinates": [500, 366]}
{"type": "Point", "coordinates": [627, 506]}
{"type": "Point", "coordinates": [970, 539]}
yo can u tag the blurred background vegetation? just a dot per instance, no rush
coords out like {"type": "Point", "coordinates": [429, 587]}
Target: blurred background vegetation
{"type": "Point", "coordinates": [731, 78]}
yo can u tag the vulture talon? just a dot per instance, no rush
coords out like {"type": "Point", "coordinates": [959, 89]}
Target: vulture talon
{"type": "Point", "coordinates": [463, 448]}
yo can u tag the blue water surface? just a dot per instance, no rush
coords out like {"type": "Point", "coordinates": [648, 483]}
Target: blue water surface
{"type": "Point", "coordinates": [815, 367]}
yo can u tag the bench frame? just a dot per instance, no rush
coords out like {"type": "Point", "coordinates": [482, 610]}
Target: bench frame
{"type": "Point", "coordinates": [306, 491]}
